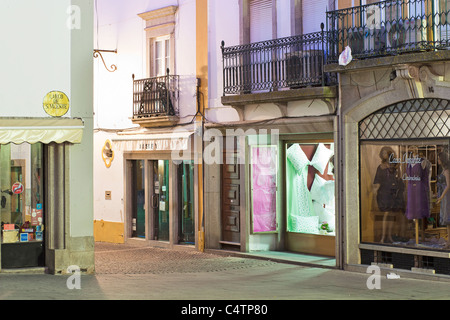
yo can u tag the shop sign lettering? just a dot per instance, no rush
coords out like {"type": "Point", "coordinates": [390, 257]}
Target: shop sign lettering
{"type": "Point", "coordinates": [56, 103]}
{"type": "Point", "coordinates": [413, 178]}
{"type": "Point", "coordinates": [406, 160]}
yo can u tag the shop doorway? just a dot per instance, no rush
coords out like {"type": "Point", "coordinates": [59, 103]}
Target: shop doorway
{"type": "Point", "coordinates": [186, 230]}
{"type": "Point", "coordinates": [160, 200]}
{"type": "Point", "coordinates": [149, 199]}
{"type": "Point", "coordinates": [310, 197]}
{"type": "Point", "coordinates": [230, 202]}
{"type": "Point", "coordinates": [160, 197]}
{"type": "Point", "coordinates": [138, 198]}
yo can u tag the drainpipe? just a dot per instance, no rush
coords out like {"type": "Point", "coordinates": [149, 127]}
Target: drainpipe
{"type": "Point", "coordinates": [202, 83]}
{"type": "Point", "coordinates": [201, 214]}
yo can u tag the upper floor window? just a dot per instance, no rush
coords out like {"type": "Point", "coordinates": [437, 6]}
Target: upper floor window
{"type": "Point", "coordinates": [161, 58]}
{"type": "Point", "coordinates": [160, 34]}
{"type": "Point", "coordinates": [261, 21]}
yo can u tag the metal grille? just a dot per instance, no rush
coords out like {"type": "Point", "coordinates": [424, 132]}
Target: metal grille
{"type": "Point", "coordinates": [389, 27]}
{"type": "Point", "coordinates": [155, 96]}
{"type": "Point", "coordinates": [419, 118]}
{"type": "Point", "coordinates": [291, 62]}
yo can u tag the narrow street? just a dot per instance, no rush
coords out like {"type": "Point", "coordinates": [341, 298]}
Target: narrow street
{"type": "Point", "coordinates": [130, 272]}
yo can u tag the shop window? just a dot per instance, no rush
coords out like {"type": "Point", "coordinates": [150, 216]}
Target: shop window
{"type": "Point", "coordinates": [264, 188]}
{"type": "Point", "coordinates": [404, 173]}
{"type": "Point", "coordinates": [21, 183]}
{"type": "Point", "coordinates": [310, 188]}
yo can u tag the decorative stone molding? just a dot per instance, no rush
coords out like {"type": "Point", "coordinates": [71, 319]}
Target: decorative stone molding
{"type": "Point", "coordinates": [410, 74]}
{"type": "Point", "coordinates": [407, 72]}
{"type": "Point", "coordinates": [159, 22]}
{"type": "Point", "coordinates": [421, 81]}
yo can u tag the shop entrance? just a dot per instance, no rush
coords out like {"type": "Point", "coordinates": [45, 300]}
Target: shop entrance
{"type": "Point", "coordinates": [138, 198]}
{"type": "Point", "coordinates": [159, 199]}
{"type": "Point", "coordinates": [186, 230]}
{"type": "Point", "coordinates": [149, 180]}
{"type": "Point", "coordinates": [310, 197]}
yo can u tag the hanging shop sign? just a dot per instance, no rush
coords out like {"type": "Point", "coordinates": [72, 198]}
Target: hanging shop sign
{"type": "Point", "coordinates": [17, 188]}
{"type": "Point", "coordinates": [56, 103]}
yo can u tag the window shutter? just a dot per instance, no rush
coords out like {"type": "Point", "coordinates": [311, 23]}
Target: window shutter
{"type": "Point", "coordinates": [260, 20]}
{"type": "Point", "coordinates": [314, 13]}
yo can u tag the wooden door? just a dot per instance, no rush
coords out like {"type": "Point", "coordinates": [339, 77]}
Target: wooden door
{"type": "Point", "coordinates": [231, 200]}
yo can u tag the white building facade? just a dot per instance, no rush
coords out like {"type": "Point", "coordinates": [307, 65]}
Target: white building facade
{"type": "Point", "coordinates": [46, 139]}
{"type": "Point", "coordinates": [145, 117]}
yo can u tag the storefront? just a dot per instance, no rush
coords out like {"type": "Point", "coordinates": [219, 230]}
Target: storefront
{"type": "Point", "coordinates": [33, 167]}
{"type": "Point", "coordinates": [293, 192]}
{"type": "Point", "coordinates": [277, 189]}
{"type": "Point", "coordinates": [160, 187]}
{"type": "Point", "coordinates": [404, 173]}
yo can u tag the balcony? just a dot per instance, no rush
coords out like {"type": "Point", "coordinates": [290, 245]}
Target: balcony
{"type": "Point", "coordinates": [155, 101]}
{"type": "Point", "coordinates": [389, 28]}
{"type": "Point", "coordinates": [271, 68]}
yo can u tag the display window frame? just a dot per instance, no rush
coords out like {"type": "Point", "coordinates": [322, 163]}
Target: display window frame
{"type": "Point", "coordinates": [306, 243]}
{"type": "Point", "coordinates": [312, 142]}
{"type": "Point", "coordinates": [414, 126]}
{"type": "Point", "coordinates": [23, 237]}
{"type": "Point", "coordinates": [396, 231]}
{"type": "Point", "coordinates": [254, 162]}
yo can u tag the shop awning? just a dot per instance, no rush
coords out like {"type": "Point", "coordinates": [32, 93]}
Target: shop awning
{"type": "Point", "coordinates": [153, 142]}
{"type": "Point", "coordinates": [44, 130]}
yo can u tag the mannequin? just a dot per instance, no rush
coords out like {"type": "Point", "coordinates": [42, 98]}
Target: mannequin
{"type": "Point", "coordinates": [389, 191]}
{"type": "Point", "coordinates": [444, 199]}
{"type": "Point", "coordinates": [418, 175]}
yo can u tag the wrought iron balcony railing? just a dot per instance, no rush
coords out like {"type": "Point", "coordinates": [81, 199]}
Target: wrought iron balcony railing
{"type": "Point", "coordinates": [290, 62]}
{"type": "Point", "coordinates": [389, 27]}
{"type": "Point", "coordinates": [154, 97]}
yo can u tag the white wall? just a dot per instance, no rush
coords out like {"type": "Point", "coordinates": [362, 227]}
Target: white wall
{"type": "Point", "coordinates": [47, 46]}
{"type": "Point", "coordinates": [223, 26]}
{"type": "Point", "coordinates": [119, 27]}
{"type": "Point", "coordinates": [108, 179]}
{"type": "Point", "coordinates": [35, 55]}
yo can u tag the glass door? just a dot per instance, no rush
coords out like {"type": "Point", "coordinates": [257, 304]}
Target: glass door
{"type": "Point", "coordinates": [160, 199]}
{"type": "Point", "coordinates": [138, 198]}
{"type": "Point", "coordinates": [186, 202]}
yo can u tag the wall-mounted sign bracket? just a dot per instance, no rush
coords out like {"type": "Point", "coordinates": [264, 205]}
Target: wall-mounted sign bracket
{"type": "Point", "coordinates": [98, 52]}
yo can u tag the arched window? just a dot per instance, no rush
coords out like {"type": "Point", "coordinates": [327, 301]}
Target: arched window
{"type": "Point", "coordinates": [404, 169]}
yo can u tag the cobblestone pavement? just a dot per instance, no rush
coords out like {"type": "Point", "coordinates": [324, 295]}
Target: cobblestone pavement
{"type": "Point", "coordinates": [136, 272]}
{"type": "Point", "coordinates": [132, 259]}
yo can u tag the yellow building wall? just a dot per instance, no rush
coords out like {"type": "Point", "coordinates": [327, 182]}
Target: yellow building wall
{"type": "Point", "coordinates": [106, 231]}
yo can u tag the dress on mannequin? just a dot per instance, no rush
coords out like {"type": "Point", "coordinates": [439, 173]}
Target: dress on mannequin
{"type": "Point", "coordinates": [390, 193]}
{"type": "Point", "coordinates": [418, 205]}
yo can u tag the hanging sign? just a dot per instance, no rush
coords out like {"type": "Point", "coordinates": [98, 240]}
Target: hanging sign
{"type": "Point", "coordinates": [17, 188]}
{"type": "Point", "coordinates": [56, 103]}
